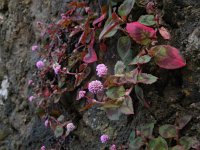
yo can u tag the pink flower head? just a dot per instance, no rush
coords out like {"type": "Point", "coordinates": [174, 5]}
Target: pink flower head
{"type": "Point", "coordinates": [31, 98]}
{"type": "Point", "coordinates": [101, 70]}
{"type": "Point", "coordinates": [34, 47]}
{"type": "Point", "coordinates": [104, 138]}
{"type": "Point", "coordinates": [141, 33]}
{"type": "Point", "coordinates": [43, 148]}
{"type": "Point", "coordinates": [56, 68]}
{"type": "Point", "coordinates": [95, 86]}
{"type": "Point", "coordinates": [30, 82]}
{"type": "Point", "coordinates": [40, 64]}
{"type": "Point", "coordinates": [46, 123]}
{"type": "Point", "coordinates": [113, 147]}
{"type": "Point", "coordinates": [81, 94]}
{"type": "Point", "coordinates": [70, 127]}
{"type": "Point", "coordinates": [63, 16]}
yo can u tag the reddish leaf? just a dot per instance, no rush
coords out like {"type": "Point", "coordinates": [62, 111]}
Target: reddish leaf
{"type": "Point", "coordinates": [164, 33]}
{"type": "Point", "coordinates": [91, 56]}
{"type": "Point", "coordinates": [141, 33]}
{"type": "Point", "coordinates": [104, 5]}
{"type": "Point", "coordinates": [77, 4]}
{"type": "Point", "coordinates": [85, 33]}
{"type": "Point", "coordinates": [46, 92]}
{"type": "Point", "coordinates": [103, 47]}
{"type": "Point", "coordinates": [167, 57]}
{"type": "Point", "coordinates": [110, 24]}
{"type": "Point", "coordinates": [100, 19]}
{"type": "Point", "coordinates": [64, 22]}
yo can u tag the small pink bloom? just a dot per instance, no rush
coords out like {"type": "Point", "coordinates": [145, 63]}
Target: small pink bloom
{"type": "Point", "coordinates": [43, 148]}
{"type": "Point", "coordinates": [35, 47]}
{"type": "Point", "coordinates": [63, 16]}
{"type": "Point", "coordinates": [95, 86]}
{"type": "Point", "coordinates": [46, 123]}
{"type": "Point", "coordinates": [104, 138]}
{"type": "Point", "coordinates": [30, 82]}
{"type": "Point", "coordinates": [81, 94]}
{"type": "Point", "coordinates": [70, 127]}
{"type": "Point", "coordinates": [113, 147]}
{"type": "Point", "coordinates": [31, 98]}
{"type": "Point", "coordinates": [101, 70]}
{"type": "Point", "coordinates": [40, 64]}
{"type": "Point", "coordinates": [56, 68]}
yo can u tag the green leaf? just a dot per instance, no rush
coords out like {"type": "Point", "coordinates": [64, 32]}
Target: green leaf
{"type": "Point", "coordinates": [183, 121]}
{"type": "Point", "coordinates": [113, 114]}
{"type": "Point", "coordinates": [140, 95]}
{"type": "Point", "coordinates": [136, 144]}
{"type": "Point", "coordinates": [58, 131]}
{"type": "Point", "coordinates": [177, 147]}
{"type": "Point", "coordinates": [115, 92]}
{"type": "Point", "coordinates": [132, 136]}
{"type": "Point", "coordinates": [119, 68]}
{"type": "Point", "coordinates": [127, 106]}
{"type": "Point", "coordinates": [158, 144]}
{"type": "Point", "coordinates": [61, 118]}
{"type": "Point", "coordinates": [123, 46]}
{"type": "Point", "coordinates": [148, 20]}
{"type": "Point", "coordinates": [146, 78]}
{"type": "Point", "coordinates": [132, 76]}
{"type": "Point", "coordinates": [140, 60]}
{"type": "Point", "coordinates": [125, 8]}
{"type": "Point", "coordinates": [186, 142]}
{"type": "Point", "coordinates": [147, 130]}
{"type": "Point", "coordinates": [168, 131]}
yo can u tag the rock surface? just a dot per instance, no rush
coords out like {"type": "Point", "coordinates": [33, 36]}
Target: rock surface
{"type": "Point", "coordinates": [177, 92]}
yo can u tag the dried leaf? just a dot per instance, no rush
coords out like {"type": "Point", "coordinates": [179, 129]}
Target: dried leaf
{"type": "Point", "coordinates": [164, 33]}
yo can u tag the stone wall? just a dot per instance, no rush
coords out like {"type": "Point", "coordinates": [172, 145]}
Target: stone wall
{"type": "Point", "coordinates": [177, 92]}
